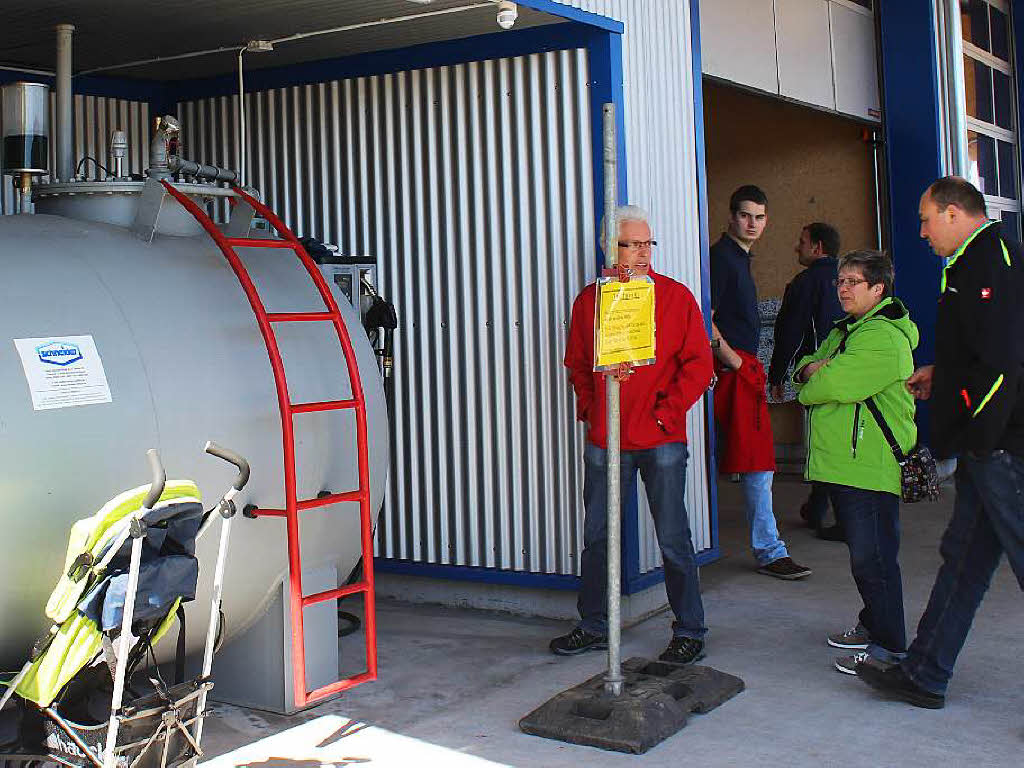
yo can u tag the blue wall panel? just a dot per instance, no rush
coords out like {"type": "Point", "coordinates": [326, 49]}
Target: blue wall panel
{"type": "Point", "coordinates": [910, 102]}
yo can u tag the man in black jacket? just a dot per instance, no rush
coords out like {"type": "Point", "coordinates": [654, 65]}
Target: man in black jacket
{"type": "Point", "coordinates": [977, 393]}
{"type": "Point", "coordinates": [809, 307]}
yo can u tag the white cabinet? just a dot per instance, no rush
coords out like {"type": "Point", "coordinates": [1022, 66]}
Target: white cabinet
{"type": "Point", "coordinates": [737, 42]}
{"type": "Point", "coordinates": [819, 52]}
{"type": "Point", "coordinates": [804, 51]}
{"type": "Point", "coordinates": [855, 61]}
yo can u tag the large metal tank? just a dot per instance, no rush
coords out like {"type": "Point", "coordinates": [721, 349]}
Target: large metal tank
{"type": "Point", "coordinates": [185, 363]}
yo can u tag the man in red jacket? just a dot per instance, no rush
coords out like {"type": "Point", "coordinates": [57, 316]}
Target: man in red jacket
{"type": "Point", "coordinates": [654, 402]}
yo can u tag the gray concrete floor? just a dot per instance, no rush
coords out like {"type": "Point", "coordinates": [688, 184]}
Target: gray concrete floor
{"type": "Point", "coordinates": [461, 679]}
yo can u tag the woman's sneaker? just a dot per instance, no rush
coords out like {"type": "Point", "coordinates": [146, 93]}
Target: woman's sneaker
{"type": "Point", "coordinates": [856, 639]}
{"type": "Point", "coordinates": [848, 664]}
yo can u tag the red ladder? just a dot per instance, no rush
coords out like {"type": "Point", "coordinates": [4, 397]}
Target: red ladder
{"type": "Point", "coordinates": [288, 409]}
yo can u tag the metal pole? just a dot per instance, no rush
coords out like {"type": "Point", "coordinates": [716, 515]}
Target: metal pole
{"type": "Point", "coordinates": [241, 122]}
{"type": "Point", "coordinates": [214, 625]}
{"type": "Point", "coordinates": [954, 76]}
{"type": "Point", "coordinates": [124, 645]}
{"type": "Point", "coordinates": [613, 678]}
{"type": "Point", "coordinates": [64, 148]}
{"type": "Point", "coordinates": [878, 189]}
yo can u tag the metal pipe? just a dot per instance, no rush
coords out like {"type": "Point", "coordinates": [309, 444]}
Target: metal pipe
{"type": "Point", "coordinates": [613, 678]}
{"type": "Point", "coordinates": [956, 100]}
{"type": "Point", "coordinates": [241, 121]}
{"type": "Point", "coordinates": [297, 36]}
{"type": "Point", "coordinates": [200, 171]}
{"type": "Point", "coordinates": [65, 102]}
{"type": "Point", "coordinates": [118, 149]}
{"type": "Point", "coordinates": [878, 189]}
{"type": "Point", "coordinates": [25, 193]}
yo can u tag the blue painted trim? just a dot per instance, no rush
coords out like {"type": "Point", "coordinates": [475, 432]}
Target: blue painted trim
{"type": "Point", "coordinates": [910, 121]}
{"type": "Point", "coordinates": [647, 580]}
{"type": "Point", "coordinates": [574, 14]}
{"type": "Point", "coordinates": [93, 85]}
{"type": "Point", "coordinates": [550, 37]}
{"type": "Point", "coordinates": [477, 574]}
{"type": "Point", "coordinates": [637, 583]}
{"type": "Point", "coordinates": [1017, 51]}
{"type": "Point", "coordinates": [605, 54]}
{"type": "Point", "coordinates": [705, 260]}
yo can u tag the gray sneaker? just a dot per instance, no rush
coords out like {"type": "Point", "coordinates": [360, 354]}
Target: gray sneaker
{"type": "Point", "coordinates": [856, 639]}
{"type": "Point", "coordinates": [848, 664]}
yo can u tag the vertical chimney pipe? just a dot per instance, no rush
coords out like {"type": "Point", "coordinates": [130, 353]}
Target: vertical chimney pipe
{"type": "Point", "coordinates": [64, 111]}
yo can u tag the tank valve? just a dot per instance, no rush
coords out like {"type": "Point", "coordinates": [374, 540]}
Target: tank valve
{"type": "Point", "coordinates": [166, 129]}
{"type": "Point", "coordinates": [118, 150]}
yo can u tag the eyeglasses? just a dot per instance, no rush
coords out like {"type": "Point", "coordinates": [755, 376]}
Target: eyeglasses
{"type": "Point", "coordinates": [847, 282]}
{"type": "Point", "coordinates": [637, 245]}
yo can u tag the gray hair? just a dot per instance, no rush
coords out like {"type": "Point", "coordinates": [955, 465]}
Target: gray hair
{"type": "Point", "coordinates": [875, 266]}
{"type": "Point", "coordinates": [625, 213]}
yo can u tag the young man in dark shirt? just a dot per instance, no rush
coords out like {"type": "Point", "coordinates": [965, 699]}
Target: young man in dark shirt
{"type": "Point", "coordinates": [810, 306]}
{"type": "Point", "coordinates": [741, 409]}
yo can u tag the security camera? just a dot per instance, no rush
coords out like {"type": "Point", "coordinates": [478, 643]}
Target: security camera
{"type": "Point", "coordinates": [507, 14]}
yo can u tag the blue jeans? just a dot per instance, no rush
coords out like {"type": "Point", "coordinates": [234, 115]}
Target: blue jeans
{"type": "Point", "coordinates": [988, 520]}
{"type": "Point", "coordinates": [764, 534]}
{"type": "Point", "coordinates": [663, 470]}
{"type": "Point", "coordinates": [871, 521]}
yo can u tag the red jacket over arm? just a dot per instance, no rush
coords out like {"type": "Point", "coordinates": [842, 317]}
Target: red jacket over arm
{"type": "Point", "coordinates": [665, 390]}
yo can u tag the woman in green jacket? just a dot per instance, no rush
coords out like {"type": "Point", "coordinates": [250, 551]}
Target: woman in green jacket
{"type": "Point", "coordinates": [868, 354]}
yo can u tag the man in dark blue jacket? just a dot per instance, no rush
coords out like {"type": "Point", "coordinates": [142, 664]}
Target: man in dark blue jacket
{"type": "Point", "coordinates": [810, 306]}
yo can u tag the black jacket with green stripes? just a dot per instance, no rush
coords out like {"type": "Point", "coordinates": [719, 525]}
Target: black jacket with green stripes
{"type": "Point", "coordinates": [978, 386]}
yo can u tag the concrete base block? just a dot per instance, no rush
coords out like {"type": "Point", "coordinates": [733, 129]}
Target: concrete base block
{"type": "Point", "coordinates": [656, 702]}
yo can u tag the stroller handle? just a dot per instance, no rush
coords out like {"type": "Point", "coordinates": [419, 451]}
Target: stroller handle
{"type": "Point", "coordinates": [233, 458]}
{"type": "Point", "coordinates": [156, 468]}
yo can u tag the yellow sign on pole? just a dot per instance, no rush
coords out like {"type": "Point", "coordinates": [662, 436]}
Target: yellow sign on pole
{"type": "Point", "coordinates": [624, 326]}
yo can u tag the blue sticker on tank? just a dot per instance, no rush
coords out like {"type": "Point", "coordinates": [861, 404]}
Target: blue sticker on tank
{"type": "Point", "coordinates": [59, 353]}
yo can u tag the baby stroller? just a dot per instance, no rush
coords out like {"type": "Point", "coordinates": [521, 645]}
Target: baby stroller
{"type": "Point", "coordinates": [128, 570]}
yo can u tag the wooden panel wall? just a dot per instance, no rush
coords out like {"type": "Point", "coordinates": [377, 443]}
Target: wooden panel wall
{"type": "Point", "coordinates": [812, 165]}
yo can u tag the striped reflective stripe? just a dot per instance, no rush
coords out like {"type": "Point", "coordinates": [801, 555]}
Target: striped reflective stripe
{"type": "Point", "coordinates": [1006, 254]}
{"type": "Point", "coordinates": [959, 252]}
{"type": "Point", "coordinates": [991, 392]}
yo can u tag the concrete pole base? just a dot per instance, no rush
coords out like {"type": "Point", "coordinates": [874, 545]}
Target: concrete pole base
{"type": "Point", "coordinates": [656, 702]}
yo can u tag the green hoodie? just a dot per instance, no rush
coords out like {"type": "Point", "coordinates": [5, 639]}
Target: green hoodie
{"type": "Point", "coordinates": [844, 444]}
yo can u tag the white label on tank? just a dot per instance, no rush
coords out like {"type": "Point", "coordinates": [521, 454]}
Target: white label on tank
{"type": "Point", "coordinates": [63, 371]}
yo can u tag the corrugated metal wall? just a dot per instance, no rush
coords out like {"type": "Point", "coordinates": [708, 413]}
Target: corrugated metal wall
{"type": "Point", "coordinates": [662, 176]}
{"type": "Point", "coordinates": [472, 185]}
{"type": "Point", "coordinates": [96, 117]}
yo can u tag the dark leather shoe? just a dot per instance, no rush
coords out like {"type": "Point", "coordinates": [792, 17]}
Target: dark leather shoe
{"type": "Point", "coordinates": [577, 641]}
{"type": "Point", "coordinates": [894, 682]}
{"type": "Point", "coordinates": [683, 650]}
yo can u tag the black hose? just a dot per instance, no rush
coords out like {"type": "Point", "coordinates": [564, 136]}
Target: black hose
{"type": "Point", "coordinates": [95, 162]}
{"type": "Point", "coordinates": [351, 625]}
